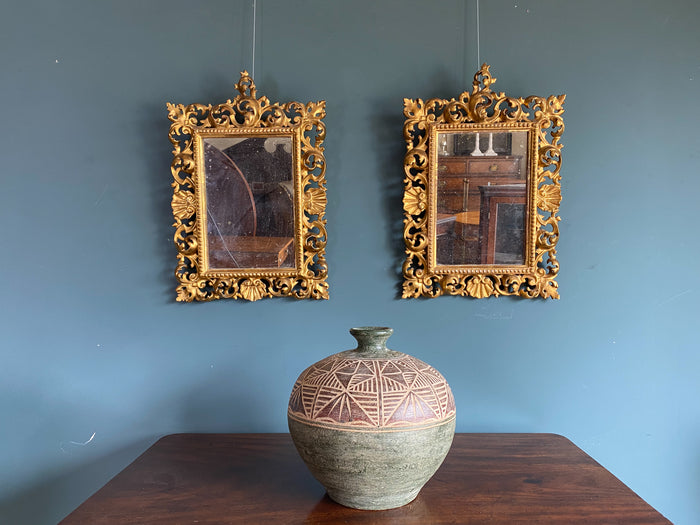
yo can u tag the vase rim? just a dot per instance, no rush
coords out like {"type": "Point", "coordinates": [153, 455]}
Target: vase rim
{"type": "Point", "coordinates": [372, 330]}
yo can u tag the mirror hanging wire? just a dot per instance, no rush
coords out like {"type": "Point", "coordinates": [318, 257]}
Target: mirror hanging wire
{"type": "Point", "coordinates": [478, 37]}
{"type": "Point", "coordinates": [466, 77]}
{"type": "Point", "coordinates": [255, 11]}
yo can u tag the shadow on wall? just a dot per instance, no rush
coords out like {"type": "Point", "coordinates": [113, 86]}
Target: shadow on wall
{"type": "Point", "coordinates": [387, 125]}
{"type": "Point", "coordinates": [54, 498]}
{"type": "Point", "coordinates": [390, 151]}
{"type": "Point", "coordinates": [158, 157]}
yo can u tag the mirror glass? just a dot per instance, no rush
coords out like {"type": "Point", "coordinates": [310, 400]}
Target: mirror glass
{"type": "Point", "coordinates": [481, 197]}
{"type": "Point", "coordinates": [249, 201]}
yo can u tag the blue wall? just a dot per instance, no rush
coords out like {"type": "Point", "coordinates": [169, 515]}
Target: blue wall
{"type": "Point", "coordinates": [94, 345]}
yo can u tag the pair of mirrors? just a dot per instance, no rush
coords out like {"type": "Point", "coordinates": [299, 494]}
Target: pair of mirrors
{"type": "Point", "coordinates": [480, 200]}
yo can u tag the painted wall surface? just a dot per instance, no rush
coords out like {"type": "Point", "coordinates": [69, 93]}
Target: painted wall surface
{"type": "Point", "coordinates": [97, 359]}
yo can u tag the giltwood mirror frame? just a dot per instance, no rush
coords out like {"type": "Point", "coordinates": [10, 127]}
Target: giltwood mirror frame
{"type": "Point", "coordinates": [246, 116]}
{"type": "Point", "coordinates": [482, 111]}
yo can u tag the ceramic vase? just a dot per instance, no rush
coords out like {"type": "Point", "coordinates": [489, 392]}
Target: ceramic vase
{"type": "Point", "coordinates": [372, 424]}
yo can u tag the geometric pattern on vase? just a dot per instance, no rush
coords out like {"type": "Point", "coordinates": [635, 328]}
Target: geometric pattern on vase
{"type": "Point", "coordinates": [381, 393]}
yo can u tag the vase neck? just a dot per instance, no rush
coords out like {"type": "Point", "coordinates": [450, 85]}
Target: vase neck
{"type": "Point", "coordinates": [371, 340]}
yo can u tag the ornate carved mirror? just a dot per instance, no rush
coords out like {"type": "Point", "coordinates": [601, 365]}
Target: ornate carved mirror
{"type": "Point", "coordinates": [482, 192]}
{"type": "Point", "coordinates": [249, 198]}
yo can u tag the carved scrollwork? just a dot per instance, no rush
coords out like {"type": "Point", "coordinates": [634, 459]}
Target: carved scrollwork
{"type": "Point", "coordinates": [249, 115]}
{"type": "Point", "coordinates": [482, 109]}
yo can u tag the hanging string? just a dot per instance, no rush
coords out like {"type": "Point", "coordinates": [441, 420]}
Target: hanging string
{"type": "Point", "coordinates": [255, 10]}
{"type": "Point", "coordinates": [478, 37]}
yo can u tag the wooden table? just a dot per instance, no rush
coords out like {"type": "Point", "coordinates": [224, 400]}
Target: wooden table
{"type": "Point", "coordinates": [259, 478]}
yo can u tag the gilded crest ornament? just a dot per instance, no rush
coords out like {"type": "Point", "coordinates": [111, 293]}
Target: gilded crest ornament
{"type": "Point", "coordinates": [249, 198]}
{"type": "Point", "coordinates": [482, 193]}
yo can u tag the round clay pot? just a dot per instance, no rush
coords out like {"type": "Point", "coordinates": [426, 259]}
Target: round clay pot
{"type": "Point", "coordinates": [372, 425]}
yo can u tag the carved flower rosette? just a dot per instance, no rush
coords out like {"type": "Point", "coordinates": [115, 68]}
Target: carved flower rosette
{"type": "Point", "coordinates": [480, 110]}
{"type": "Point", "coordinates": [255, 116]}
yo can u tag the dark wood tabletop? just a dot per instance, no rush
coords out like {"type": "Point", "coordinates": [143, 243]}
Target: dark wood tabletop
{"type": "Point", "coordinates": [259, 478]}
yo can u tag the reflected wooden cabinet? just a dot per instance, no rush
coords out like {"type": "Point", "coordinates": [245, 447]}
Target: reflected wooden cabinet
{"type": "Point", "coordinates": [459, 180]}
{"type": "Point", "coordinates": [502, 223]}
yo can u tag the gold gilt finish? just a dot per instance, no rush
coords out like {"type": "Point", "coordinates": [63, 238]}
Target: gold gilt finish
{"type": "Point", "coordinates": [249, 115]}
{"type": "Point", "coordinates": [487, 111]}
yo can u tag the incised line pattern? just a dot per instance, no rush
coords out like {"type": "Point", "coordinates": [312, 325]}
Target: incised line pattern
{"type": "Point", "coordinates": [371, 393]}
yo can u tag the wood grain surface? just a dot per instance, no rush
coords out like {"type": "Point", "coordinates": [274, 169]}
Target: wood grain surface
{"type": "Point", "coordinates": [259, 478]}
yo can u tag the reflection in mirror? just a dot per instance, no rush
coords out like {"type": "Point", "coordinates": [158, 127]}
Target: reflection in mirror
{"type": "Point", "coordinates": [481, 197]}
{"type": "Point", "coordinates": [250, 202]}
